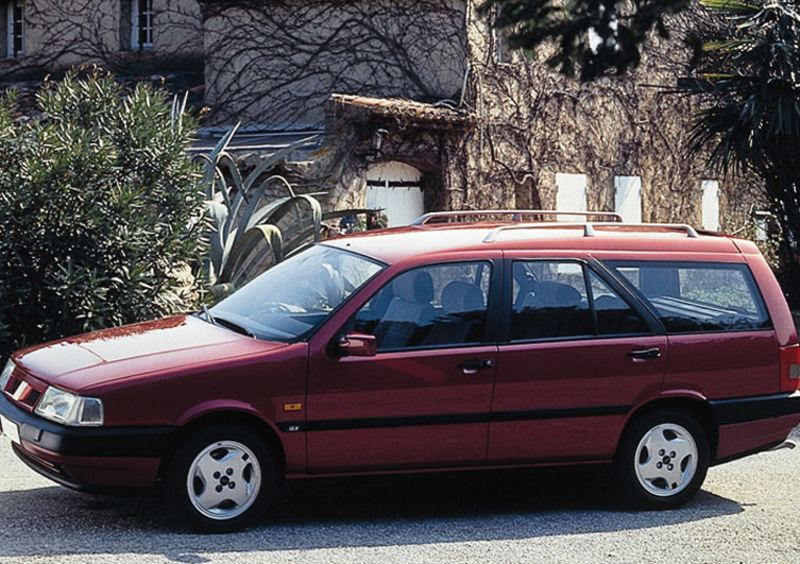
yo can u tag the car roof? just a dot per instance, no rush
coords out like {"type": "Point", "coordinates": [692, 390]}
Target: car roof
{"type": "Point", "coordinates": [422, 239]}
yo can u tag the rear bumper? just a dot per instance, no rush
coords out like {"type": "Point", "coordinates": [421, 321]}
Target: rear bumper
{"type": "Point", "coordinates": [89, 457]}
{"type": "Point", "coordinates": [743, 410]}
{"type": "Point", "coordinates": [749, 425]}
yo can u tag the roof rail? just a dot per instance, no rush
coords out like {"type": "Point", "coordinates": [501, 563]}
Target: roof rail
{"type": "Point", "coordinates": [589, 229]}
{"type": "Point", "coordinates": [690, 231]}
{"type": "Point", "coordinates": [516, 215]}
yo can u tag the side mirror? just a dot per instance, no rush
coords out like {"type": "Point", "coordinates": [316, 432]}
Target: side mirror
{"type": "Point", "coordinates": [358, 344]}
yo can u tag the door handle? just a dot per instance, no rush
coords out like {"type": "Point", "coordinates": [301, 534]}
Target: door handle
{"type": "Point", "coordinates": [645, 354]}
{"type": "Point", "coordinates": [472, 366]}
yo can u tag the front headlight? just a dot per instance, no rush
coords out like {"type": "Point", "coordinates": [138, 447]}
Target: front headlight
{"type": "Point", "coordinates": [6, 375]}
{"type": "Point", "coordinates": [70, 409]}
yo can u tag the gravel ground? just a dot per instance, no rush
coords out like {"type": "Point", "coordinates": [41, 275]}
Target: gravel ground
{"type": "Point", "coordinates": [748, 511]}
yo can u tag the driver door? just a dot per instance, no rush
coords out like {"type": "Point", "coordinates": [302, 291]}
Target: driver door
{"type": "Point", "coordinates": [423, 400]}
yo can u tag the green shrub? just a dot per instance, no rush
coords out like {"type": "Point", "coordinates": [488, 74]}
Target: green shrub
{"type": "Point", "coordinates": [101, 214]}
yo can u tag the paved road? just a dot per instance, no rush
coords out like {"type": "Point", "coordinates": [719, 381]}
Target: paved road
{"type": "Point", "coordinates": [749, 511]}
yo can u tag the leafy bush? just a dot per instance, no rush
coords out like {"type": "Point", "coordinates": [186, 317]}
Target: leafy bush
{"type": "Point", "coordinates": [101, 214]}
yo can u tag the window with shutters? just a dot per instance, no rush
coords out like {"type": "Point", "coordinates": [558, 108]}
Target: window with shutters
{"type": "Point", "coordinates": [12, 18]}
{"type": "Point", "coordinates": [571, 192]}
{"type": "Point", "coordinates": [710, 205]}
{"type": "Point", "coordinates": [136, 25]}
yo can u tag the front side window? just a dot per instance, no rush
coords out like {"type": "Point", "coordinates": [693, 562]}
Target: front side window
{"type": "Point", "coordinates": [295, 296]}
{"type": "Point", "coordinates": [432, 306]}
{"type": "Point", "coordinates": [698, 297]}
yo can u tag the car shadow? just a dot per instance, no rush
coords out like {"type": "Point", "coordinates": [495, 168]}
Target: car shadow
{"type": "Point", "coordinates": [364, 512]}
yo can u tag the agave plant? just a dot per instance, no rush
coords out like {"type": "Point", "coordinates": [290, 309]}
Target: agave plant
{"type": "Point", "coordinates": [246, 236]}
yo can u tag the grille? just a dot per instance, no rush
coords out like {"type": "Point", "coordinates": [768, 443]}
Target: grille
{"type": "Point", "coordinates": [24, 390]}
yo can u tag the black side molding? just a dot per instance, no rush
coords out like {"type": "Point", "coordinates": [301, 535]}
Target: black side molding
{"type": "Point", "coordinates": [455, 419]}
{"type": "Point", "coordinates": [742, 410]}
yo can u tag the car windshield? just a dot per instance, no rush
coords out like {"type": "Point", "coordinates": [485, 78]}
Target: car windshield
{"type": "Point", "coordinates": [295, 296]}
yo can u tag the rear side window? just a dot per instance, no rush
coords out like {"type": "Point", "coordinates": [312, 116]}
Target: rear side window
{"type": "Point", "coordinates": [698, 297]}
{"type": "Point", "coordinates": [550, 301]}
{"type": "Point", "coordinates": [563, 299]}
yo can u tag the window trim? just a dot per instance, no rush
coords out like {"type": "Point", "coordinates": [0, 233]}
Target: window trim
{"type": "Point", "coordinates": [612, 264]}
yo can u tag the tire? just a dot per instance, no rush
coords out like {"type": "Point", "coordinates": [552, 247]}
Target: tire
{"type": "Point", "coordinates": [219, 479]}
{"type": "Point", "coordinates": [662, 460]}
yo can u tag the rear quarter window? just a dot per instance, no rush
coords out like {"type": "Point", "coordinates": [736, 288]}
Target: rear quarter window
{"type": "Point", "coordinates": [697, 297]}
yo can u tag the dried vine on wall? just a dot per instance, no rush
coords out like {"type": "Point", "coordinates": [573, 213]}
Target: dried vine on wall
{"type": "Point", "coordinates": [536, 123]}
{"type": "Point", "coordinates": [277, 62]}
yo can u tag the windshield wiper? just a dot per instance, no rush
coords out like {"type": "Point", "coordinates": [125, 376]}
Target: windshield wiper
{"type": "Point", "coordinates": [208, 315]}
{"type": "Point", "coordinates": [234, 326]}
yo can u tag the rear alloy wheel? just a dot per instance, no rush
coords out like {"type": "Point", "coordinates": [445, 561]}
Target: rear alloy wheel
{"type": "Point", "coordinates": [219, 479]}
{"type": "Point", "coordinates": [663, 459]}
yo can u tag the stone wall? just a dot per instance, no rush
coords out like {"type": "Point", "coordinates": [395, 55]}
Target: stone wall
{"type": "Point", "coordinates": [341, 166]}
{"type": "Point", "coordinates": [532, 124]}
{"type": "Point", "coordinates": [536, 123]}
{"type": "Point", "coordinates": [275, 62]}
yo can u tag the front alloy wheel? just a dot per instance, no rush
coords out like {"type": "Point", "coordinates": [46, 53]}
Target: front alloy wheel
{"type": "Point", "coordinates": [224, 480]}
{"type": "Point", "coordinates": [219, 479]}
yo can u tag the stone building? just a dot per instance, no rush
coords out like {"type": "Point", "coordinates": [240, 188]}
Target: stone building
{"type": "Point", "coordinates": [420, 105]}
{"type": "Point", "coordinates": [127, 36]}
{"type": "Point", "coordinates": [423, 109]}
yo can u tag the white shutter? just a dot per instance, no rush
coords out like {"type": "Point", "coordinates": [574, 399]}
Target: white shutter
{"type": "Point", "coordinates": [402, 205]}
{"type": "Point", "coordinates": [395, 188]}
{"type": "Point", "coordinates": [710, 205]}
{"type": "Point", "coordinates": [10, 30]}
{"type": "Point", "coordinates": [571, 191]}
{"type": "Point", "coordinates": [628, 198]}
{"type": "Point", "coordinates": [762, 230]}
{"type": "Point", "coordinates": [135, 25]}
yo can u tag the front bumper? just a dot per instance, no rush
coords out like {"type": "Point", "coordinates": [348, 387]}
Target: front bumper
{"type": "Point", "coordinates": [89, 457]}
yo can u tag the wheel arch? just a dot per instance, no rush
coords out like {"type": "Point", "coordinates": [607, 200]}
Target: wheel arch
{"type": "Point", "coordinates": [694, 406]}
{"type": "Point", "coordinates": [229, 417]}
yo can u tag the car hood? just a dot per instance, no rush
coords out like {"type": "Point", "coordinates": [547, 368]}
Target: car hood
{"type": "Point", "coordinates": [95, 358]}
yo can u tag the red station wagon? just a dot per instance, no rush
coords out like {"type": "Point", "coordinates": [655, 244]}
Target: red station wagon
{"type": "Point", "coordinates": [453, 343]}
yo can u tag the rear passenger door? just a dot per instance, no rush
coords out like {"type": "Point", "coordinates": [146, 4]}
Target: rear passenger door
{"type": "Point", "coordinates": [578, 352]}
